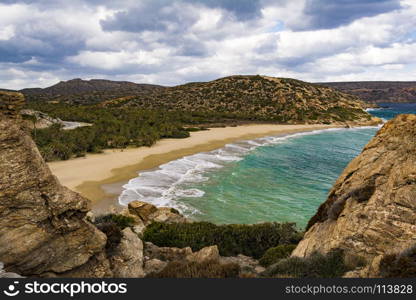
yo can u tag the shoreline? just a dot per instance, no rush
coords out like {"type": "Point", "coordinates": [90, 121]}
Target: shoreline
{"type": "Point", "coordinates": [99, 177]}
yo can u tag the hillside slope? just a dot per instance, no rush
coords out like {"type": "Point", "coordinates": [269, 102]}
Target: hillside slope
{"type": "Point", "coordinates": [80, 91]}
{"type": "Point", "coordinates": [378, 91]}
{"type": "Point", "coordinates": [257, 98]}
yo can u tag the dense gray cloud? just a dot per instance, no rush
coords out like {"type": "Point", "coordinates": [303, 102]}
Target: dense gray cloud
{"type": "Point", "coordinates": [157, 15]}
{"type": "Point", "coordinates": [330, 14]}
{"type": "Point", "coordinates": [171, 42]}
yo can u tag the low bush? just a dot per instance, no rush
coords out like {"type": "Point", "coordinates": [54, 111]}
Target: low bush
{"type": "Point", "coordinates": [112, 225]}
{"type": "Point", "coordinates": [113, 233]}
{"type": "Point", "coordinates": [250, 240]}
{"type": "Point", "coordinates": [119, 220]}
{"type": "Point", "coordinates": [399, 265]}
{"type": "Point", "coordinates": [316, 265]}
{"type": "Point", "coordinates": [206, 269]}
{"type": "Point", "coordinates": [273, 255]}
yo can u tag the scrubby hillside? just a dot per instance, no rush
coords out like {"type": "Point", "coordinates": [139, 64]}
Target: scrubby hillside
{"type": "Point", "coordinates": [80, 91]}
{"type": "Point", "coordinates": [257, 98]}
{"type": "Point", "coordinates": [244, 98]}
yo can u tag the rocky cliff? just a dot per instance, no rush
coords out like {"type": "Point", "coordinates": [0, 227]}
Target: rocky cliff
{"type": "Point", "coordinates": [42, 224]}
{"type": "Point", "coordinates": [370, 211]}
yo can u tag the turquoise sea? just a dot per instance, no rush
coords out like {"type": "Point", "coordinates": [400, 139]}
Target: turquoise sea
{"type": "Point", "coordinates": [279, 178]}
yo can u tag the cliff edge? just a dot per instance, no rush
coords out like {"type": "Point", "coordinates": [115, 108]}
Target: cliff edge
{"type": "Point", "coordinates": [42, 224]}
{"type": "Point", "coordinates": [370, 211]}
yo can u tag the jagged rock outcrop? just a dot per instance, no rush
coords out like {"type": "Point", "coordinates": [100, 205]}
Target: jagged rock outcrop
{"type": "Point", "coordinates": [42, 224]}
{"type": "Point", "coordinates": [152, 251]}
{"type": "Point", "coordinates": [149, 213]}
{"type": "Point", "coordinates": [157, 258]}
{"type": "Point", "coordinates": [370, 211]}
{"type": "Point", "coordinates": [127, 260]}
{"type": "Point", "coordinates": [38, 119]}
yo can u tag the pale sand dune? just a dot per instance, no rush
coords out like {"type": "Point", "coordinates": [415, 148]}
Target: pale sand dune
{"type": "Point", "coordinates": [86, 175]}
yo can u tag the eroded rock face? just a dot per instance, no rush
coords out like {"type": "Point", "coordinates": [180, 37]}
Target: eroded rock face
{"type": "Point", "coordinates": [157, 258]}
{"type": "Point", "coordinates": [166, 253]}
{"type": "Point", "coordinates": [205, 254]}
{"type": "Point", "coordinates": [149, 213]}
{"type": "Point", "coordinates": [42, 225]}
{"type": "Point", "coordinates": [127, 261]}
{"type": "Point", "coordinates": [370, 211]}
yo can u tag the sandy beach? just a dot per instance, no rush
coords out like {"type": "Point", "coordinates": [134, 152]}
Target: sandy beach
{"type": "Point", "coordinates": [88, 175]}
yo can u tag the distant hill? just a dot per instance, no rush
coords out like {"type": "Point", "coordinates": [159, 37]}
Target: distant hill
{"type": "Point", "coordinates": [239, 97]}
{"type": "Point", "coordinates": [255, 98]}
{"type": "Point", "coordinates": [6, 90]}
{"type": "Point", "coordinates": [88, 91]}
{"type": "Point", "coordinates": [378, 91]}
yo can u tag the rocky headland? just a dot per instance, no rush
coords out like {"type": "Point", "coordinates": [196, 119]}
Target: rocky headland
{"type": "Point", "coordinates": [370, 211]}
{"type": "Point", "coordinates": [42, 225]}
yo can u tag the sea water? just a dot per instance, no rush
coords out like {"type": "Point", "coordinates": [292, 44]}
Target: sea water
{"type": "Point", "coordinates": [277, 178]}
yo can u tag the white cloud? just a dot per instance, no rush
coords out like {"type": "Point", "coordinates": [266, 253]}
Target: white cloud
{"type": "Point", "coordinates": [16, 78]}
{"type": "Point", "coordinates": [117, 60]}
{"type": "Point", "coordinates": [42, 43]}
{"type": "Point", "coordinates": [7, 32]}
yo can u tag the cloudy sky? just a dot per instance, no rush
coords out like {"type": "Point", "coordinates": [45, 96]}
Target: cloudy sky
{"type": "Point", "coordinates": [170, 42]}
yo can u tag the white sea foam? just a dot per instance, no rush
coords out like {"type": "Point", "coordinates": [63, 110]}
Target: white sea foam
{"type": "Point", "coordinates": [170, 182]}
{"type": "Point", "coordinates": [374, 109]}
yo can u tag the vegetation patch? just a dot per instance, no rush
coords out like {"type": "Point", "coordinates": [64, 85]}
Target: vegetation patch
{"type": "Point", "coordinates": [206, 269]}
{"type": "Point", "coordinates": [112, 128]}
{"type": "Point", "coordinates": [399, 265]}
{"type": "Point", "coordinates": [275, 254]}
{"type": "Point", "coordinates": [112, 225]}
{"type": "Point", "coordinates": [119, 220]}
{"type": "Point", "coordinates": [316, 265]}
{"type": "Point", "coordinates": [250, 240]}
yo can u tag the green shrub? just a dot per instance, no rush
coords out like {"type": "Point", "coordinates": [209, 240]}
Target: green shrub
{"type": "Point", "coordinates": [119, 220]}
{"type": "Point", "coordinates": [273, 255]}
{"type": "Point", "coordinates": [179, 134]}
{"type": "Point", "coordinates": [250, 240]}
{"type": "Point", "coordinates": [206, 269]}
{"type": "Point", "coordinates": [194, 129]}
{"type": "Point", "coordinates": [316, 265]}
{"type": "Point", "coordinates": [113, 233]}
{"type": "Point", "coordinates": [112, 225]}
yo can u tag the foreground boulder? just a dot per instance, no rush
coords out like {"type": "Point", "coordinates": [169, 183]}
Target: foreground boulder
{"type": "Point", "coordinates": [370, 211]}
{"type": "Point", "coordinates": [149, 213]}
{"type": "Point", "coordinates": [160, 259]}
{"type": "Point", "coordinates": [42, 225]}
{"type": "Point", "coordinates": [127, 260]}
